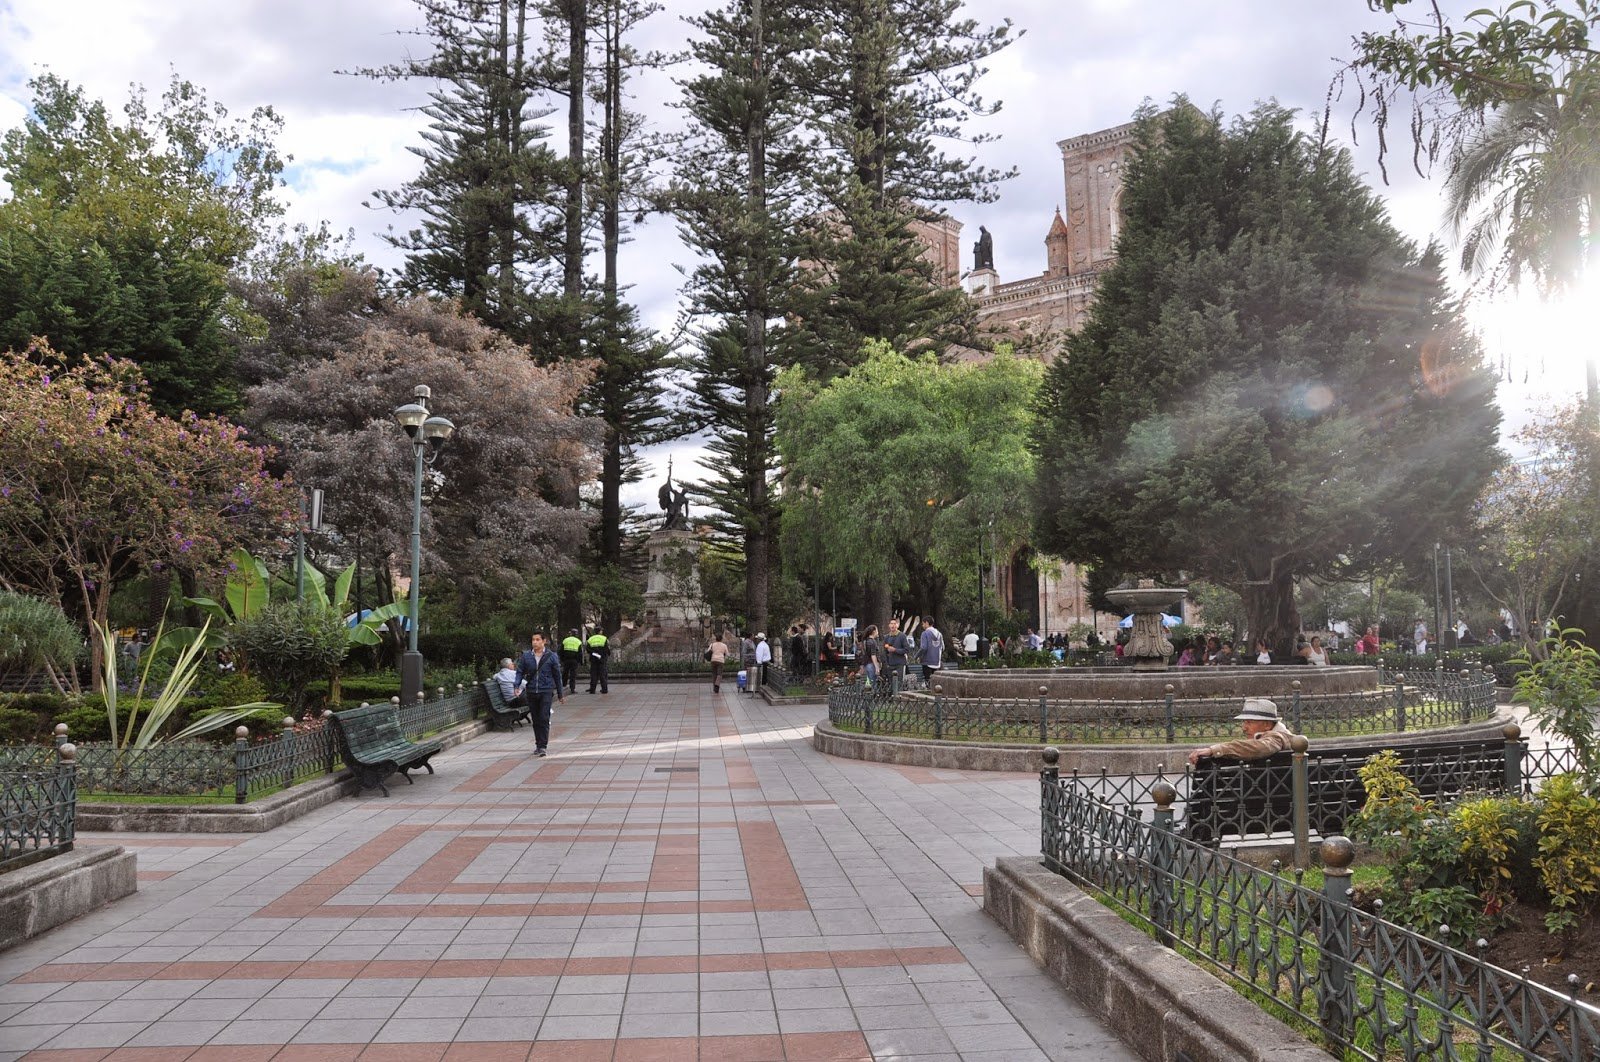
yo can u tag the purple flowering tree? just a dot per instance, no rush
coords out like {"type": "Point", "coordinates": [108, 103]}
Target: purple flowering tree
{"type": "Point", "coordinates": [96, 486]}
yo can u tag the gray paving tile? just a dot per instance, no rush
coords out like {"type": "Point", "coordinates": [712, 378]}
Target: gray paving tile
{"type": "Point", "coordinates": [338, 1031]}
{"type": "Point", "coordinates": [275, 1031]}
{"type": "Point", "coordinates": [580, 1027]}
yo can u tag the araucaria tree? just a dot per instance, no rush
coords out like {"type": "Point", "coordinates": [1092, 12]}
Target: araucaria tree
{"type": "Point", "coordinates": [1272, 383]}
{"type": "Point", "coordinates": [886, 86]}
{"type": "Point", "coordinates": [96, 485]}
{"type": "Point", "coordinates": [737, 197]}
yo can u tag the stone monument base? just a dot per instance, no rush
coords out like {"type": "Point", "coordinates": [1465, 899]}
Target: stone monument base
{"type": "Point", "coordinates": [672, 586]}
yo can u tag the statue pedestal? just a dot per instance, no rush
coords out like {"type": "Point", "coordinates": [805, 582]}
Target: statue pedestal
{"type": "Point", "coordinates": [672, 586]}
{"type": "Point", "coordinates": [982, 282]}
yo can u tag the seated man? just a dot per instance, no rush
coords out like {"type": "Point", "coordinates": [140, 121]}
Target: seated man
{"type": "Point", "coordinates": [513, 693]}
{"type": "Point", "coordinates": [1264, 734]}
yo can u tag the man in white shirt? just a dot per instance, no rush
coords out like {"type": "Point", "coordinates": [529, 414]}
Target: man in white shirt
{"type": "Point", "coordinates": [969, 643]}
{"type": "Point", "coordinates": [1419, 638]}
{"type": "Point", "coordinates": [763, 658]}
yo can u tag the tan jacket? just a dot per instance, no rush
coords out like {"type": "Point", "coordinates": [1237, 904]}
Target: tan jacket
{"type": "Point", "coordinates": [1257, 748]}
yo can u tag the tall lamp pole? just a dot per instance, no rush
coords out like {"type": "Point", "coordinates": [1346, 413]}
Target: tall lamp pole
{"type": "Point", "coordinates": [428, 435]}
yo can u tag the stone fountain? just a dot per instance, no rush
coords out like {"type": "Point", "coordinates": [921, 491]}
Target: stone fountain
{"type": "Point", "coordinates": [1148, 646]}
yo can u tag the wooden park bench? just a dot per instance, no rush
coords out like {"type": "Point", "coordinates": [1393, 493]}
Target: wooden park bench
{"type": "Point", "coordinates": [374, 747]}
{"type": "Point", "coordinates": [500, 712]}
{"type": "Point", "coordinates": [1249, 798]}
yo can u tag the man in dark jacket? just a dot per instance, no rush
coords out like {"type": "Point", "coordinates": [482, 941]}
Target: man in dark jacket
{"type": "Point", "coordinates": [539, 673]}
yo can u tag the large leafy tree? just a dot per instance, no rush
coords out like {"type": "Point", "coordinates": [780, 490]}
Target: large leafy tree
{"type": "Point", "coordinates": [1272, 383]}
{"type": "Point", "coordinates": [893, 471]}
{"type": "Point", "coordinates": [737, 195]}
{"type": "Point", "coordinates": [119, 236]}
{"type": "Point", "coordinates": [488, 524]}
{"type": "Point", "coordinates": [1509, 99]}
{"type": "Point", "coordinates": [97, 485]}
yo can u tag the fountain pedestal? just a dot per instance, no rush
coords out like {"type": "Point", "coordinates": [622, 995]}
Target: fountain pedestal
{"type": "Point", "coordinates": [1148, 646]}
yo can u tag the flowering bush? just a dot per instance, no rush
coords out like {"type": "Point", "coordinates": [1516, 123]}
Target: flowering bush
{"type": "Point", "coordinates": [95, 484]}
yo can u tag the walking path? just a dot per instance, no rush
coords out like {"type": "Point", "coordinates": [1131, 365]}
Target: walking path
{"type": "Point", "coordinates": [684, 877]}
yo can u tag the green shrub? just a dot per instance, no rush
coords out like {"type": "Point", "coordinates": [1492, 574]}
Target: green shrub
{"type": "Point", "coordinates": [35, 635]}
{"type": "Point", "coordinates": [88, 721]}
{"type": "Point", "coordinates": [475, 646]}
{"type": "Point", "coordinates": [289, 645]}
{"type": "Point", "coordinates": [1490, 830]}
{"type": "Point", "coordinates": [1569, 851]}
{"type": "Point", "coordinates": [18, 726]}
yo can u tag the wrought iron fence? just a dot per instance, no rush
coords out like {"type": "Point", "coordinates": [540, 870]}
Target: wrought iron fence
{"type": "Point", "coordinates": [1400, 705]}
{"type": "Point", "coordinates": [1367, 987]}
{"type": "Point", "coordinates": [249, 767]}
{"type": "Point", "coordinates": [38, 808]}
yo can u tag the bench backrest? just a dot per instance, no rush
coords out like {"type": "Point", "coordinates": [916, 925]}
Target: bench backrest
{"type": "Point", "coordinates": [497, 697]}
{"type": "Point", "coordinates": [1257, 796]}
{"type": "Point", "coordinates": [370, 726]}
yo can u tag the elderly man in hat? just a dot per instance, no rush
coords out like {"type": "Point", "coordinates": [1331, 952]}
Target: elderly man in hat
{"type": "Point", "coordinates": [1264, 734]}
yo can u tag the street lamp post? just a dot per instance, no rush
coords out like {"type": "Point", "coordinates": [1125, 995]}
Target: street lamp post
{"type": "Point", "coordinates": [428, 435]}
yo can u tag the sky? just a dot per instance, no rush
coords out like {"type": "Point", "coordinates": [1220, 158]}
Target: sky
{"type": "Point", "coordinates": [1078, 66]}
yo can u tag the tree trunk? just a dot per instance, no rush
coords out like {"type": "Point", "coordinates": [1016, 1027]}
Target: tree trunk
{"type": "Point", "coordinates": [611, 233]}
{"type": "Point", "coordinates": [877, 603]}
{"type": "Point", "coordinates": [1270, 613]}
{"type": "Point", "coordinates": [577, 18]}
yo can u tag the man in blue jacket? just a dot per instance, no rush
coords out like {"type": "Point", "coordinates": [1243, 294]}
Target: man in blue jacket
{"type": "Point", "coordinates": [539, 674]}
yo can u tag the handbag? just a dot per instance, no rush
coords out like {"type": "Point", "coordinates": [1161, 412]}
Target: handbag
{"type": "Point", "coordinates": [706, 656]}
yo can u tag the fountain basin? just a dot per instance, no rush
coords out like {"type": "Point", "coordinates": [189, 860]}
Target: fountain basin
{"type": "Point", "coordinates": [1127, 684]}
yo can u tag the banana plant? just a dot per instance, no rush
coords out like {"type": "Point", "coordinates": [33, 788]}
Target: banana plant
{"type": "Point", "coordinates": [249, 590]}
{"type": "Point", "coordinates": [185, 669]}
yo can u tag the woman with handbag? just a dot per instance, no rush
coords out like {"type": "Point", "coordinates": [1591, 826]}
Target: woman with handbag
{"type": "Point", "coordinates": [717, 654]}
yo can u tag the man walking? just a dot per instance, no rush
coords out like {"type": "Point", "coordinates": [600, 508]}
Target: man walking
{"type": "Point", "coordinates": [599, 649]}
{"type": "Point", "coordinates": [896, 655]}
{"type": "Point", "coordinates": [539, 675]}
{"type": "Point", "coordinates": [571, 656]}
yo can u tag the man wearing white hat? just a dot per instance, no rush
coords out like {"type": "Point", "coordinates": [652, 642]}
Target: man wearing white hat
{"type": "Point", "coordinates": [1264, 734]}
{"type": "Point", "coordinates": [763, 658]}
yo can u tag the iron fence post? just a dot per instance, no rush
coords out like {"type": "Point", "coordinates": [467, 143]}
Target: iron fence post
{"type": "Point", "coordinates": [330, 747]}
{"type": "Point", "coordinates": [1300, 781]}
{"type": "Point", "coordinates": [241, 748]}
{"type": "Point", "coordinates": [938, 711]}
{"type": "Point", "coordinates": [1163, 897]}
{"type": "Point", "coordinates": [1294, 712]}
{"type": "Point", "coordinates": [1514, 752]}
{"type": "Point", "coordinates": [1336, 996]}
{"type": "Point", "coordinates": [1171, 722]}
{"type": "Point", "coordinates": [1400, 701]}
{"type": "Point", "coordinates": [1044, 714]}
{"type": "Point", "coordinates": [1466, 697]}
{"type": "Point", "coordinates": [1049, 805]}
{"type": "Point", "coordinates": [67, 771]}
{"type": "Point", "coordinates": [866, 714]}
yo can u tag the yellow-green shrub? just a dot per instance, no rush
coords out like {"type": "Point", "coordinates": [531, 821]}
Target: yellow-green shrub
{"type": "Point", "coordinates": [1569, 850]}
{"type": "Point", "coordinates": [1488, 832]}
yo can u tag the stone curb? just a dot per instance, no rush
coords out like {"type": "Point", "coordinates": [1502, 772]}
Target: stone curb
{"type": "Point", "coordinates": [258, 816]}
{"type": "Point", "coordinates": [1089, 759]}
{"type": "Point", "coordinates": [43, 895]}
{"type": "Point", "coordinates": [1161, 1005]}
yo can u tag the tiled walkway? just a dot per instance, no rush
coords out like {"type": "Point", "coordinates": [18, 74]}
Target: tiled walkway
{"type": "Point", "coordinates": [684, 877]}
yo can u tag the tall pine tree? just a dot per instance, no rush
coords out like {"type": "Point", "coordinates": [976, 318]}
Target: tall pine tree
{"type": "Point", "coordinates": [888, 81]}
{"type": "Point", "coordinates": [738, 200]}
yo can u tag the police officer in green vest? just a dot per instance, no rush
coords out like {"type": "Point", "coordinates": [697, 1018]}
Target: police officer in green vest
{"type": "Point", "coordinates": [599, 651]}
{"type": "Point", "coordinates": [571, 654]}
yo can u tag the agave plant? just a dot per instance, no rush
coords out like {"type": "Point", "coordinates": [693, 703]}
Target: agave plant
{"type": "Point", "coordinates": [143, 727]}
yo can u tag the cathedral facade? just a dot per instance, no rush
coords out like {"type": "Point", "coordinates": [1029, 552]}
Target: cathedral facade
{"type": "Point", "coordinates": [1079, 243]}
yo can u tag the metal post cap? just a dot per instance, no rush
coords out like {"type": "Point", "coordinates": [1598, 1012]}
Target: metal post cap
{"type": "Point", "coordinates": [1043, 690]}
{"type": "Point", "coordinates": [1170, 687]}
{"type": "Point", "coordinates": [1337, 852]}
{"type": "Point", "coordinates": [938, 687]}
{"type": "Point", "coordinates": [1052, 755]}
{"type": "Point", "coordinates": [1295, 685]}
{"type": "Point", "coordinates": [1512, 732]}
{"type": "Point", "coordinates": [288, 722]}
{"type": "Point", "coordinates": [1163, 793]}
{"type": "Point", "coordinates": [1299, 743]}
{"type": "Point", "coordinates": [241, 732]}
{"type": "Point", "coordinates": [61, 729]}
{"type": "Point", "coordinates": [67, 752]}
